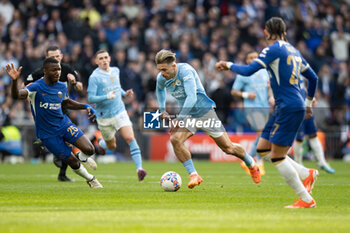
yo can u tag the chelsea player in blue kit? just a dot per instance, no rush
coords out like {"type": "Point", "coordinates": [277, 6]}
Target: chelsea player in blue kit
{"type": "Point", "coordinates": [182, 82]}
{"type": "Point", "coordinates": [256, 93]}
{"type": "Point", "coordinates": [105, 92]}
{"type": "Point", "coordinates": [47, 97]}
{"type": "Point", "coordinates": [284, 64]}
{"type": "Point", "coordinates": [309, 128]}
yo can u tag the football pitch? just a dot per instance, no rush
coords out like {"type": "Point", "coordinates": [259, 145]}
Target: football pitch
{"type": "Point", "coordinates": [31, 200]}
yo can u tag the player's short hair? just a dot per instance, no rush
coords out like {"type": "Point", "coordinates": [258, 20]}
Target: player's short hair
{"type": "Point", "coordinates": [52, 48]}
{"type": "Point", "coordinates": [100, 51]}
{"type": "Point", "coordinates": [50, 60]}
{"type": "Point", "coordinates": [249, 52]}
{"type": "Point", "coordinates": [276, 27]}
{"type": "Point", "coordinates": [165, 56]}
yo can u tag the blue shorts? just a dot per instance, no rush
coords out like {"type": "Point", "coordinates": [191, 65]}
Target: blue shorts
{"type": "Point", "coordinates": [308, 127]}
{"type": "Point", "coordinates": [282, 127]}
{"type": "Point", "coordinates": [58, 145]}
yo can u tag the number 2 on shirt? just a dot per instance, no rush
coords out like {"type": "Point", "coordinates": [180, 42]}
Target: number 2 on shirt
{"type": "Point", "coordinates": [72, 130]}
{"type": "Point", "coordinates": [296, 63]}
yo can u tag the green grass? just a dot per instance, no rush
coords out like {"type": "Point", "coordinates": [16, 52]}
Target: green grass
{"type": "Point", "coordinates": [31, 200]}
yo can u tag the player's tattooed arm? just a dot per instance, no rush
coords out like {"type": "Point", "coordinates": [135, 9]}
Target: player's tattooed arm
{"type": "Point", "coordinates": [14, 74]}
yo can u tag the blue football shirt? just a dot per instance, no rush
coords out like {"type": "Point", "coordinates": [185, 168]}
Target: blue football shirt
{"type": "Point", "coordinates": [46, 108]}
{"type": "Point", "coordinates": [284, 64]}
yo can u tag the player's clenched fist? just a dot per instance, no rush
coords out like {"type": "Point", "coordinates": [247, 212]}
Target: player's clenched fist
{"type": "Point", "coordinates": [222, 65]}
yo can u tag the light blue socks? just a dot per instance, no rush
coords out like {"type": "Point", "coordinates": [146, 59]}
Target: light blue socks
{"type": "Point", "coordinates": [102, 143]}
{"type": "Point", "coordinates": [189, 166]}
{"type": "Point", "coordinates": [248, 160]}
{"type": "Point", "coordinates": [136, 154]}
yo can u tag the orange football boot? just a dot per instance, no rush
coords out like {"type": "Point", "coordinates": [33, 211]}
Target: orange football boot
{"type": "Point", "coordinates": [195, 180]}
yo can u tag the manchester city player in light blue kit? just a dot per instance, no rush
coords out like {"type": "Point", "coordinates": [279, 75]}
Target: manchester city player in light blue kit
{"type": "Point", "coordinates": [284, 64]}
{"type": "Point", "coordinates": [309, 128]}
{"type": "Point", "coordinates": [256, 93]}
{"type": "Point", "coordinates": [182, 82]}
{"type": "Point", "coordinates": [47, 97]}
{"type": "Point", "coordinates": [105, 92]}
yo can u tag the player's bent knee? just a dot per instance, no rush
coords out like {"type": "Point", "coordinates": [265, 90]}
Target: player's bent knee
{"type": "Point", "coordinates": [89, 149]}
{"type": "Point", "coordinates": [112, 147]}
{"type": "Point", "coordinates": [175, 140]}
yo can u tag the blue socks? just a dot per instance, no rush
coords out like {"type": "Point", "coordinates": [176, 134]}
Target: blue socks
{"type": "Point", "coordinates": [189, 166]}
{"type": "Point", "coordinates": [248, 160]}
{"type": "Point", "coordinates": [102, 143]}
{"type": "Point", "coordinates": [136, 154]}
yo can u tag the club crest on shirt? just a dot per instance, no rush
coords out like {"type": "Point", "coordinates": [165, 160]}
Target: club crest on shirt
{"type": "Point", "coordinates": [112, 79]}
{"type": "Point", "coordinates": [176, 83]}
{"type": "Point", "coordinates": [59, 94]}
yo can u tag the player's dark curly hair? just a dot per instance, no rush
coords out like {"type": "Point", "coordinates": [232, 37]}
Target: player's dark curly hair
{"type": "Point", "coordinates": [277, 28]}
{"type": "Point", "coordinates": [50, 60]}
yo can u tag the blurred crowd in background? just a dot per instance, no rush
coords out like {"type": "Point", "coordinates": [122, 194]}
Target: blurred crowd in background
{"type": "Point", "coordinates": [201, 32]}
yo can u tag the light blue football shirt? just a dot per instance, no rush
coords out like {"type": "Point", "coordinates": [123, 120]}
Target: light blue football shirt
{"type": "Point", "coordinates": [100, 83]}
{"type": "Point", "coordinates": [257, 82]}
{"type": "Point", "coordinates": [187, 89]}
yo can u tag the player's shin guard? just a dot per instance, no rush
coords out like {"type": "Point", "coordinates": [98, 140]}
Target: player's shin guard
{"type": "Point", "coordinates": [136, 154]}
{"type": "Point", "coordinates": [303, 172]}
{"type": "Point", "coordinates": [298, 152]}
{"type": "Point", "coordinates": [291, 177]}
{"type": "Point", "coordinates": [317, 147]}
{"type": "Point", "coordinates": [81, 171]}
{"type": "Point", "coordinates": [82, 157]}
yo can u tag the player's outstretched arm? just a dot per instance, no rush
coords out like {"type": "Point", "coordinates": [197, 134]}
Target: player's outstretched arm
{"type": "Point", "coordinates": [245, 70]}
{"type": "Point", "coordinates": [14, 74]}
{"type": "Point", "coordinates": [74, 105]}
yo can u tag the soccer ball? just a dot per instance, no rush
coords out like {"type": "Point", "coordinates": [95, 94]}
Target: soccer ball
{"type": "Point", "coordinates": [170, 181]}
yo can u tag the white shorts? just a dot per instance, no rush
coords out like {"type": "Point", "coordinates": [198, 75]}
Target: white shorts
{"type": "Point", "coordinates": [257, 118]}
{"type": "Point", "coordinates": [109, 126]}
{"type": "Point", "coordinates": [214, 129]}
